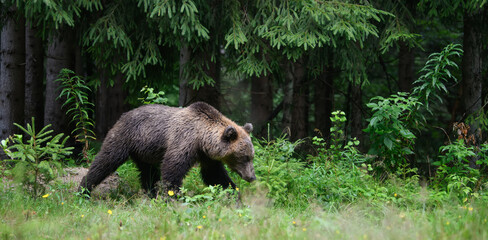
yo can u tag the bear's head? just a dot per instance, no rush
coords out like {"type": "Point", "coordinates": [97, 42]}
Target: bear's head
{"type": "Point", "coordinates": [235, 149]}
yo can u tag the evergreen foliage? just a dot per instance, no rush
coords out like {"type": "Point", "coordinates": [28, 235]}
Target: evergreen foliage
{"type": "Point", "coordinates": [38, 160]}
{"type": "Point", "coordinates": [354, 47]}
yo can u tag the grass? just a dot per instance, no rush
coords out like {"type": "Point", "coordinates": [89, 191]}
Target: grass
{"type": "Point", "coordinates": [331, 200]}
{"type": "Point", "coordinates": [65, 215]}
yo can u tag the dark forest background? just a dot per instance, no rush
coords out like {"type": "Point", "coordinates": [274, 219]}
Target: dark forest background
{"type": "Point", "coordinates": [285, 66]}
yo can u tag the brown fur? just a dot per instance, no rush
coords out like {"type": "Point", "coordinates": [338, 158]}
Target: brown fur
{"type": "Point", "coordinates": [165, 142]}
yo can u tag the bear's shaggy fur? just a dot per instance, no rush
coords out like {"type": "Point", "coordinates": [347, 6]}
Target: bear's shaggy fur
{"type": "Point", "coordinates": [165, 142]}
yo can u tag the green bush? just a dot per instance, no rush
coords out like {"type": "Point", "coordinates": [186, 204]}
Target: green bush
{"type": "Point", "coordinates": [390, 128]}
{"type": "Point", "coordinates": [454, 175]}
{"type": "Point", "coordinates": [394, 119]}
{"type": "Point", "coordinates": [36, 161]}
{"type": "Point", "coordinates": [276, 167]}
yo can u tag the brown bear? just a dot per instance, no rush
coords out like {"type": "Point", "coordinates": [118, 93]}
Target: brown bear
{"type": "Point", "coordinates": [165, 142]}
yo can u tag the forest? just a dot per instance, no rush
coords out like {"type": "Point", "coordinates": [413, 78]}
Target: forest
{"type": "Point", "coordinates": [368, 116]}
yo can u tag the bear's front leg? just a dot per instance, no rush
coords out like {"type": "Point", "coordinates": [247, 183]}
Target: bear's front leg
{"type": "Point", "coordinates": [174, 167]}
{"type": "Point", "coordinates": [214, 173]}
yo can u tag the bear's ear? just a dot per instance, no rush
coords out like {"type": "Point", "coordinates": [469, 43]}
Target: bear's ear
{"type": "Point", "coordinates": [230, 134]}
{"type": "Point", "coordinates": [248, 127]}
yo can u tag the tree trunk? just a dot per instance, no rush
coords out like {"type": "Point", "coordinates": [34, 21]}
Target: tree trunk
{"type": "Point", "coordinates": [324, 101]}
{"type": "Point", "coordinates": [59, 55]}
{"type": "Point", "coordinates": [109, 103]}
{"type": "Point", "coordinates": [34, 72]}
{"type": "Point", "coordinates": [299, 111]}
{"type": "Point", "coordinates": [261, 103]}
{"type": "Point", "coordinates": [472, 70]}
{"type": "Point", "coordinates": [186, 93]}
{"type": "Point", "coordinates": [356, 114]}
{"type": "Point", "coordinates": [12, 73]}
{"type": "Point", "coordinates": [287, 101]}
{"type": "Point", "coordinates": [406, 55]}
{"type": "Point", "coordinates": [405, 67]}
{"type": "Point", "coordinates": [207, 93]}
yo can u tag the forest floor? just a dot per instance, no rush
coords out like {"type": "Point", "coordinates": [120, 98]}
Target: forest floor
{"type": "Point", "coordinates": [63, 214]}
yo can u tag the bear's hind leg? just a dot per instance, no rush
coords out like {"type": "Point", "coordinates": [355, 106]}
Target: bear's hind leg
{"type": "Point", "coordinates": [105, 163]}
{"type": "Point", "coordinates": [150, 175]}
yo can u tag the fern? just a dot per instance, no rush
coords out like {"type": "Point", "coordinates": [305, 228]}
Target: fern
{"type": "Point", "coordinates": [75, 93]}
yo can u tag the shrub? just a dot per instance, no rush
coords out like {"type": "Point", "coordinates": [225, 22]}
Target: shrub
{"type": "Point", "coordinates": [454, 175]}
{"type": "Point", "coordinates": [390, 127]}
{"type": "Point", "coordinates": [38, 159]}
{"type": "Point", "coordinates": [275, 167]}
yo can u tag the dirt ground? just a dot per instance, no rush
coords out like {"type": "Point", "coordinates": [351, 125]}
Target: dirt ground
{"type": "Point", "coordinates": [75, 174]}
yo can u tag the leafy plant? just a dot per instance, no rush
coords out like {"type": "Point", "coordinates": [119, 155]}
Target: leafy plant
{"type": "Point", "coordinates": [276, 168]}
{"type": "Point", "coordinates": [209, 195]}
{"type": "Point", "coordinates": [336, 150]}
{"type": "Point", "coordinates": [390, 126]}
{"type": "Point", "coordinates": [436, 74]}
{"type": "Point", "coordinates": [395, 118]}
{"type": "Point", "coordinates": [75, 92]}
{"type": "Point", "coordinates": [454, 173]}
{"type": "Point", "coordinates": [338, 120]}
{"type": "Point", "coordinates": [38, 159]}
{"type": "Point", "coordinates": [151, 97]}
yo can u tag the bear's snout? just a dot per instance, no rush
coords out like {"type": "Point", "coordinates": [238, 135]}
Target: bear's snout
{"type": "Point", "coordinates": [251, 178]}
{"type": "Point", "coordinates": [248, 173]}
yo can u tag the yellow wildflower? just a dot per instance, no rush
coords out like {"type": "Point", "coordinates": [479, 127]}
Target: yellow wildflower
{"type": "Point", "coordinates": [294, 222]}
{"type": "Point", "coordinates": [45, 196]}
{"type": "Point", "coordinates": [199, 226]}
{"type": "Point", "coordinates": [237, 189]}
{"type": "Point", "coordinates": [109, 212]}
{"type": "Point", "coordinates": [171, 193]}
{"type": "Point", "coordinates": [447, 223]}
{"type": "Point", "coordinates": [304, 229]}
{"type": "Point", "coordinates": [204, 216]}
{"type": "Point", "coordinates": [470, 209]}
{"type": "Point", "coordinates": [395, 195]}
{"type": "Point", "coordinates": [220, 219]}
{"type": "Point", "coordinates": [82, 216]}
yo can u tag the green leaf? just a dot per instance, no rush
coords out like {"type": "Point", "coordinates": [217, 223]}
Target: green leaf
{"type": "Point", "coordinates": [388, 143]}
